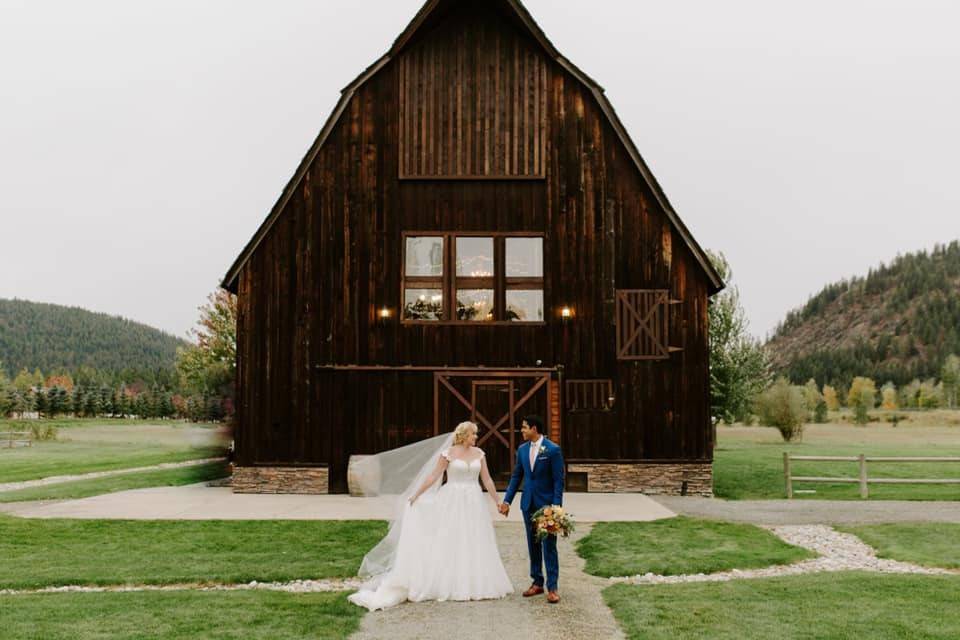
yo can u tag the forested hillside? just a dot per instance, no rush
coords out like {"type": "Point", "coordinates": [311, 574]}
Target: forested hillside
{"type": "Point", "coordinates": [54, 338]}
{"type": "Point", "coordinates": [898, 323]}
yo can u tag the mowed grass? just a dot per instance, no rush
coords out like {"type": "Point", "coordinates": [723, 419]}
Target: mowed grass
{"type": "Point", "coordinates": [139, 480]}
{"type": "Point", "coordinates": [681, 545]}
{"type": "Point", "coordinates": [38, 553]}
{"type": "Point", "coordinates": [748, 461]}
{"type": "Point", "coordinates": [85, 446]}
{"type": "Point", "coordinates": [178, 614]}
{"type": "Point", "coordinates": [848, 605]}
{"type": "Point", "coordinates": [924, 543]}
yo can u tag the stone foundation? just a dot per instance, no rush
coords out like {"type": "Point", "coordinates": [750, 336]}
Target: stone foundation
{"type": "Point", "coordinates": [665, 479]}
{"type": "Point", "coordinates": [308, 480]}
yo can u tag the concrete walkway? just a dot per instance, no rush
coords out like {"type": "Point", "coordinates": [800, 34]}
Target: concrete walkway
{"type": "Point", "coordinates": [784, 512]}
{"type": "Point", "coordinates": [202, 502]}
{"type": "Point", "coordinates": [580, 614]}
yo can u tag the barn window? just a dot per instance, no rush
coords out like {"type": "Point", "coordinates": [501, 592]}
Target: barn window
{"type": "Point", "coordinates": [524, 279]}
{"type": "Point", "coordinates": [492, 278]}
{"type": "Point", "coordinates": [641, 324]}
{"type": "Point", "coordinates": [423, 278]}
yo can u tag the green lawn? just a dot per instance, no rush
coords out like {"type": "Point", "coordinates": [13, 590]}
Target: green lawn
{"type": "Point", "coordinates": [125, 482]}
{"type": "Point", "coordinates": [681, 545]}
{"type": "Point", "coordinates": [929, 544]}
{"type": "Point", "coordinates": [38, 553]}
{"type": "Point", "coordinates": [84, 446]}
{"type": "Point", "coordinates": [837, 606]}
{"type": "Point", "coordinates": [178, 614]}
{"type": "Point", "coordinates": [748, 461]}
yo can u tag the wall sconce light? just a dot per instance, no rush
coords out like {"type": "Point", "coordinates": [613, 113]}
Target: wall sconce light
{"type": "Point", "coordinates": [566, 313]}
{"type": "Point", "coordinates": [384, 314]}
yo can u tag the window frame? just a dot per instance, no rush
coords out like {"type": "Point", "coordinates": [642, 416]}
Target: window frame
{"type": "Point", "coordinates": [450, 282]}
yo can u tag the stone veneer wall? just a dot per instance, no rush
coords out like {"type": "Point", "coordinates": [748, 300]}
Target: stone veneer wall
{"type": "Point", "coordinates": [665, 479]}
{"type": "Point", "coordinates": [309, 480]}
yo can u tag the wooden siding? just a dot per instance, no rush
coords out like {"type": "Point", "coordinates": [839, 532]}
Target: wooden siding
{"type": "Point", "coordinates": [472, 103]}
{"type": "Point", "coordinates": [310, 292]}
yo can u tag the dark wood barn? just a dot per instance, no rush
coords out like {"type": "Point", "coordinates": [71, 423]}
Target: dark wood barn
{"type": "Point", "coordinates": [473, 235]}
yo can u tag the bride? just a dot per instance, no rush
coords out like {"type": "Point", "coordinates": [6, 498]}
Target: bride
{"type": "Point", "coordinates": [441, 545]}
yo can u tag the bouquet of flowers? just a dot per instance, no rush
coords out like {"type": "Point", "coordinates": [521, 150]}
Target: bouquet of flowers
{"type": "Point", "coordinates": [552, 521]}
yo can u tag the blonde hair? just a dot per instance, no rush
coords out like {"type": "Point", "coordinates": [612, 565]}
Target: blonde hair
{"type": "Point", "coordinates": [463, 431]}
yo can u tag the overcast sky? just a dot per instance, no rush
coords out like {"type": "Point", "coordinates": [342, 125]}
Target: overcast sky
{"type": "Point", "coordinates": [143, 142]}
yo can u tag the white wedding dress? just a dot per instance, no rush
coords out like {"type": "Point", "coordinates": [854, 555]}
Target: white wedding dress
{"type": "Point", "coordinates": [446, 549]}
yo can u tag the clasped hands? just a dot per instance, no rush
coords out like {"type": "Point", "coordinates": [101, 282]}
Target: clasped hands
{"type": "Point", "coordinates": [504, 509]}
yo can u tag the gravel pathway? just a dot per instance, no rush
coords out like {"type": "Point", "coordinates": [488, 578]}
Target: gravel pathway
{"type": "Point", "coordinates": [781, 512]}
{"type": "Point", "coordinates": [581, 612]}
{"type": "Point", "coordinates": [26, 484]}
{"type": "Point", "coordinates": [838, 552]}
{"type": "Point", "coordinates": [297, 586]}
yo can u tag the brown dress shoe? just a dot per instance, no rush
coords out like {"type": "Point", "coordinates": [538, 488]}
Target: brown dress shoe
{"type": "Point", "coordinates": [553, 597]}
{"type": "Point", "coordinates": [534, 590]}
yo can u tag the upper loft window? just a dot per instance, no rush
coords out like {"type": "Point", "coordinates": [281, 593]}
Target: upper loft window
{"type": "Point", "coordinates": [469, 111]}
{"type": "Point", "coordinates": [473, 278]}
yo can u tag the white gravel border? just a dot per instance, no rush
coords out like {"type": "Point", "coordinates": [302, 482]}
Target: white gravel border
{"type": "Point", "coordinates": [297, 586]}
{"type": "Point", "coordinates": [837, 551]}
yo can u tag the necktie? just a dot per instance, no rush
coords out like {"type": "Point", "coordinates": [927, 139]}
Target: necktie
{"type": "Point", "coordinates": [533, 454]}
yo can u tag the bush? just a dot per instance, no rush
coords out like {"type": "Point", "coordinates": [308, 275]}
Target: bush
{"type": "Point", "coordinates": [783, 406]}
{"type": "Point", "coordinates": [43, 432]}
{"type": "Point", "coordinates": [820, 413]}
{"type": "Point", "coordinates": [861, 398]}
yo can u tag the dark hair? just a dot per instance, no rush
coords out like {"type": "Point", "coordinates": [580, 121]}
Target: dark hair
{"type": "Point", "coordinates": [535, 421]}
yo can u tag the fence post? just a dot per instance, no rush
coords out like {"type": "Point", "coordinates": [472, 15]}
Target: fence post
{"type": "Point", "coordinates": [864, 492]}
{"type": "Point", "coordinates": [786, 475]}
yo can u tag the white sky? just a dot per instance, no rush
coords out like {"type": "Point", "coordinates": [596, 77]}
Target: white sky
{"type": "Point", "coordinates": [142, 143]}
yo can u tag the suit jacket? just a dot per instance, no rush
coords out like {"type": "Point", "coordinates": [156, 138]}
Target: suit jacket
{"type": "Point", "coordinates": [542, 485]}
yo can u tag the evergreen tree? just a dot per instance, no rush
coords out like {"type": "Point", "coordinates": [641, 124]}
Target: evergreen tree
{"type": "Point", "coordinates": [950, 376]}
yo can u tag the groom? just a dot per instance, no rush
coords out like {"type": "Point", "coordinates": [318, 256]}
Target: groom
{"type": "Point", "coordinates": [540, 464]}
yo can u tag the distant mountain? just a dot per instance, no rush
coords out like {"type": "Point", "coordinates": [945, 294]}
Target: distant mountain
{"type": "Point", "coordinates": [897, 323]}
{"type": "Point", "coordinates": [56, 338]}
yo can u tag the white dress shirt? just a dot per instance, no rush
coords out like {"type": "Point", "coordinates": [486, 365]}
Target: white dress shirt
{"type": "Point", "coordinates": [534, 450]}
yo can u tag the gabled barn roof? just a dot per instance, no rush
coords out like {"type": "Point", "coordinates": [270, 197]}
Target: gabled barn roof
{"type": "Point", "coordinates": [430, 12]}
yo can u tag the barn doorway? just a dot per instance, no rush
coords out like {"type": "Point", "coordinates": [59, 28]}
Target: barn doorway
{"type": "Point", "coordinates": [496, 401]}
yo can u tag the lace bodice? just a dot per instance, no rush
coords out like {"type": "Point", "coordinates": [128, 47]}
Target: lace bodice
{"type": "Point", "coordinates": [463, 471]}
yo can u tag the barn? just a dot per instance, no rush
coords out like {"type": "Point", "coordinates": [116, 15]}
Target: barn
{"type": "Point", "coordinates": [473, 235]}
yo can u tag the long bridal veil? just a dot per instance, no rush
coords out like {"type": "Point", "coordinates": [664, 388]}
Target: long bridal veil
{"type": "Point", "coordinates": [395, 476]}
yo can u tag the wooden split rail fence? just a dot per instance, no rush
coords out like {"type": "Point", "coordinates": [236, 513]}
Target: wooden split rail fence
{"type": "Point", "coordinates": [863, 480]}
{"type": "Point", "coordinates": [11, 439]}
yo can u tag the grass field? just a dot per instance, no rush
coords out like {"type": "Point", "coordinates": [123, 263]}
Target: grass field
{"type": "Point", "coordinates": [84, 446]}
{"type": "Point", "coordinates": [681, 545]}
{"type": "Point", "coordinates": [178, 614]}
{"type": "Point", "coordinates": [925, 543]}
{"type": "Point", "coordinates": [38, 553]}
{"type": "Point", "coordinates": [125, 482]}
{"type": "Point", "coordinates": [748, 461]}
{"type": "Point", "coordinates": [838, 606]}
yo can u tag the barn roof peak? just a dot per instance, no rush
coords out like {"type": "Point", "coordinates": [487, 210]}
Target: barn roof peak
{"type": "Point", "coordinates": [428, 12]}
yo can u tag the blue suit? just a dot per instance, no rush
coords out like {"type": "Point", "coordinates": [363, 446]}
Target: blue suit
{"type": "Point", "coordinates": [542, 486]}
